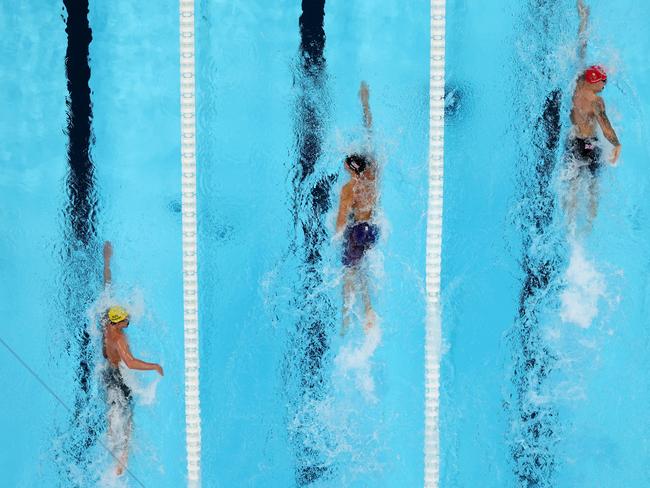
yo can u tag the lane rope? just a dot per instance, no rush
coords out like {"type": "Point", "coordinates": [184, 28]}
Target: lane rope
{"type": "Point", "coordinates": [189, 237]}
{"type": "Point", "coordinates": [433, 337]}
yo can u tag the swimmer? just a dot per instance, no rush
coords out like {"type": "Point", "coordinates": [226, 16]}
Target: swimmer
{"type": "Point", "coordinates": [355, 222]}
{"type": "Point", "coordinates": [583, 153]}
{"type": "Point", "coordinates": [116, 350]}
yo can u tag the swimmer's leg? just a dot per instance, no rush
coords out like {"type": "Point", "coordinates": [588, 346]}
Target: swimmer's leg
{"type": "Point", "coordinates": [120, 419]}
{"type": "Point", "coordinates": [570, 200]}
{"type": "Point", "coordinates": [594, 196]}
{"type": "Point", "coordinates": [348, 297]}
{"type": "Point", "coordinates": [123, 458]}
{"type": "Point", "coordinates": [365, 293]}
{"type": "Point", "coordinates": [124, 455]}
{"type": "Point", "coordinates": [114, 439]}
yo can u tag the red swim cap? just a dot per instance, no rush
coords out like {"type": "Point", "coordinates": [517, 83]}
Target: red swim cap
{"type": "Point", "coordinates": [594, 74]}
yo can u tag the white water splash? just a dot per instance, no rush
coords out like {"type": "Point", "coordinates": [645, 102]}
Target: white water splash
{"type": "Point", "coordinates": [354, 361]}
{"type": "Point", "coordinates": [145, 393]}
{"type": "Point", "coordinates": [333, 426]}
{"type": "Point", "coordinates": [109, 479]}
{"type": "Point", "coordinates": [143, 388]}
{"type": "Point", "coordinates": [585, 287]}
{"type": "Point", "coordinates": [133, 302]}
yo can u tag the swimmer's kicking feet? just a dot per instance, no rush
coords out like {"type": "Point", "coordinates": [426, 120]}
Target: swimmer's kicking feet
{"type": "Point", "coordinates": [583, 154]}
{"type": "Point", "coordinates": [355, 222]}
{"type": "Point", "coordinates": [116, 350]}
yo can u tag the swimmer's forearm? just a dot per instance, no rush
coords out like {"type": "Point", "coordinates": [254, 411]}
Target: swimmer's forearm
{"type": "Point", "coordinates": [582, 50]}
{"type": "Point", "coordinates": [141, 365]}
{"type": "Point", "coordinates": [364, 95]}
{"type": "Point", "coordinates": [606, 125]}
{"type": "Point", "coordinates": [583, 11]}
{"type": "Point", "coordinates": [108, 252]}
{"type": "Point", "coordinates": [367, 117]}
{"type": "Point", "coordinates": [611, 137]}
{"type": "Point", "coordinates": [107, 274]}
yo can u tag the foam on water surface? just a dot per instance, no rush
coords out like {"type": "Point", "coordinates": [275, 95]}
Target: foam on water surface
{"type": "Point", "coordinates": [585, 287]}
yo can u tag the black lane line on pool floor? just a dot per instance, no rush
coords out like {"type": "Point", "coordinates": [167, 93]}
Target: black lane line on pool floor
{"type": "Point", "coordinates": [81, 275]}
{"type": "Point", "coordinates": [311, 200]}
{"type": "Point", "coordinates": [535, 424]}
{"type": "Point", "coordinates": [535, 457]}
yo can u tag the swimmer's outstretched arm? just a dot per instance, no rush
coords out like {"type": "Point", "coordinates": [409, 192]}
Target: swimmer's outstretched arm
{"type": "Point", "coordinates": [364, 95]}
{"type": "Point", "coordinates": [133, 363]}
{"type": "Point", "coordinates": [583, 11]}
{"type": "Point", "coordinates": [608, 130]}
{"type": "Point", "coordinates": [108, 252]}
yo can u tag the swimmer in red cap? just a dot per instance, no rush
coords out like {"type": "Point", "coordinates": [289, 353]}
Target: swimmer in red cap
{"type": "Point", "coordinates": [583, 152]}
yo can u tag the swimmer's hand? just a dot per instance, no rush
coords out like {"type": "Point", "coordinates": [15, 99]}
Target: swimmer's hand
{"type": "Point", "coordinates": [616, 152]}
{"type": "Point", "coordinates": [108, 250]}
{"type": "Point", "coordinates": [583, 10]}
{"type": "Point", "coordinates": [158, 368]}
{"type": "Point", "coordinates": [364, 93]}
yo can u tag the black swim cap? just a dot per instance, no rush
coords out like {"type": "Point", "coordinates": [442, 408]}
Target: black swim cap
{"type": "Point", "coordinates": [357, 163]}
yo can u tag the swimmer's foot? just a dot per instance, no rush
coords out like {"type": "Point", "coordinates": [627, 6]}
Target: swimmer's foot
{"type": "Point", "coordinates": [345, 326]}
{"type": "Point", "coordinates": [121, 465]}
{"type": "Point", "coordinates": [371, 320]}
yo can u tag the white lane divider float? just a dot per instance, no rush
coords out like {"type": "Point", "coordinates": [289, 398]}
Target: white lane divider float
{"type": "Point", "coordinates": [190, 277]}
{"type": "Point", "coordinates": [433, 336]}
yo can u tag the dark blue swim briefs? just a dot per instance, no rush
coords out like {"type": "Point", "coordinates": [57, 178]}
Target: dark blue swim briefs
{"type": "Point", "coordinates": [358, 238]}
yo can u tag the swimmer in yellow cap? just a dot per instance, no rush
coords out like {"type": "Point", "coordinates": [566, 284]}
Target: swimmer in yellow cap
{"type": "Point", "coordinates": [116, 350]}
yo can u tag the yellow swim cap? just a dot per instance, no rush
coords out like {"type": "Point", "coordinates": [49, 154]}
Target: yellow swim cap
{"type": "Point", "coordinates": [117, 314]}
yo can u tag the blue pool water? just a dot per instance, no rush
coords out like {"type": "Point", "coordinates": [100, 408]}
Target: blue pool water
{"type": "Point", "coordinates": [51, 252]}
{"type": "Point", "coordinates": [543, 379]}
{"type": "Point", "coordinates": [286, 402]}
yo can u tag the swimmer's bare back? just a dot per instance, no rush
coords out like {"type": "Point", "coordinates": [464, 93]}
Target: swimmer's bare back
{"type": "Point", "coordinates": [359, 196]}
{"type": "Point", "coordinates": [587, 112]}
{"type": "Point", "coordinates": [111, 339]}
{"type": "Point", "coordinates": [583, 113]}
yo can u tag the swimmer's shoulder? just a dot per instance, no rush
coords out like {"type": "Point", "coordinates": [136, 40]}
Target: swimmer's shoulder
{"type": "Point", "coordinates": [599, 104]}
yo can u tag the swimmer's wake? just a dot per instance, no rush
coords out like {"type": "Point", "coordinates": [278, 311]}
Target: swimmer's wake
{"type": "Point", "coordinates": [585, 286]}
{"type": "Point", "coordinates": [355, 359]}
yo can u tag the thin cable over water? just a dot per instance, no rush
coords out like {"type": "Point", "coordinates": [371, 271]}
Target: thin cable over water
{"type": "Point", "coordinates": [58, 398]}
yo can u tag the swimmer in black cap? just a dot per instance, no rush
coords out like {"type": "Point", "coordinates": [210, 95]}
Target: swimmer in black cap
{"type": "Point", "coordinates": [355, 222]}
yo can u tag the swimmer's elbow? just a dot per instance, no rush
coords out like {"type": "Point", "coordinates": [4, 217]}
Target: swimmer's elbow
{"type": "Point", "coordinates": [130, 362]}
{"type": "Point", "coordinates": [127, 358]}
